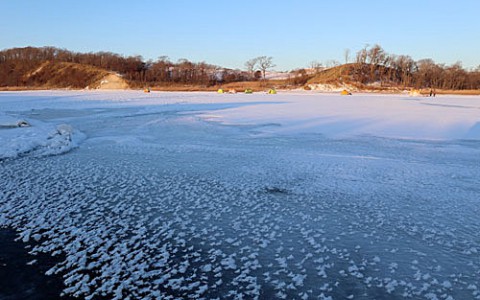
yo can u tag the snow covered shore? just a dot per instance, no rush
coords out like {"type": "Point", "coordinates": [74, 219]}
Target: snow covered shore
{"type": "Point", "coordinates": [200, 195]}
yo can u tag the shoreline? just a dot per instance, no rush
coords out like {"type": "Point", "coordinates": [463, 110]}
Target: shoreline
{"type": "Point", "coordinates": [186, 89]}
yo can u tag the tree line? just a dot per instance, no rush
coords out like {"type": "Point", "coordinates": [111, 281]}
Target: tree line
{"type": "Point", "coordinates": [374, 64]}
{"type": "Point", "coordinates": [15, 63]}
{"type": "Point", "coordinates": [371, 65]}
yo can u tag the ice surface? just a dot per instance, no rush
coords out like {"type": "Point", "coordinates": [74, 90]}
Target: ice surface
{"type": "Point", "coordinates": [294, 195]}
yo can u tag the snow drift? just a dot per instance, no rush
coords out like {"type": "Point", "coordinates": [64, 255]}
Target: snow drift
{"type": "Point", "coordinates": [19, 138]}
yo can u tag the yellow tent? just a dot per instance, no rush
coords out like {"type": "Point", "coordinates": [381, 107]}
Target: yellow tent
{"type": "Point", "coordinates": [146, 90]}
{"type": "Point", "coordinates": [248, 91]}
{"type": "Point", "coordinates": [220, 91]}
{"type": "Point", "coordinates": [272, 91]}
{"type": "Point", "coordinates": [345, 92]}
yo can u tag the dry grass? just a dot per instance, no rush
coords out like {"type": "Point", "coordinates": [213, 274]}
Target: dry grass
{"type": "Point", "coordinates": [423, 92]}
{"type": "Point", "coordinates": [182, 88]}
{"type": "Point", "coordinates": [20, 88]}
{"type": "Point", "coordinates": [65, 75]}
{"type": "Point", "coordinates": [256, 86]}
{"type": "Point", "coordinates": [458, 92]}
{"type": "Point", "coordinates": [332, 75]}
{"type": "Point", "coordinates": [60, 75]}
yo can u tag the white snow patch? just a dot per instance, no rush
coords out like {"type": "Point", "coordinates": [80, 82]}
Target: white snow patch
{"type": "Point", "coordinates": [39, 139]}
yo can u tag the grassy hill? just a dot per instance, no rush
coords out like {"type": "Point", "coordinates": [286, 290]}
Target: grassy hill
{"type": "Point", "coordinates": [65, 75]}
{"type": "Point", "coordinates": [49, 67]}
{"type": "Point", "coordinates": [357, 77]}
{"type": "Point", "coordinates": [335, 75]}
{"type": "Point", "coordinates": [51, 74]}
{"type": "Point", "coordinates": [362, 75]}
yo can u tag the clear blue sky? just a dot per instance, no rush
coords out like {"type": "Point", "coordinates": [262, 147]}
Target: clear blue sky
{"type": "Point", "coordinates": [228, 33]}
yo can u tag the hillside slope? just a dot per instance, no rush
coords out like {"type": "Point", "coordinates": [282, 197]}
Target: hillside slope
{"type": "Point", "coordinates": [111, 81]}
{"type": "Point", "coordinates": [70, 75]}
{"type": "Point", "coordinates": [356, 77]}
{"type": "Point", "coordinates": [333, 75]}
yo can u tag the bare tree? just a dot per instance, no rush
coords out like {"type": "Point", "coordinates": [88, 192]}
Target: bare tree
{"type": "Point", "coordinates": [424, 75]}
{"type": "Point", "coordinates": [376, 55]}
{"type": "Point", "coordinates": [316, 66]}
{"type": "Point", "coordinates": [407, 67]}
{"type": "Point", "coordinates": [265, 63]}
{"type": "Point", "coordinates": [362, 56]}
{"type": "Point", "coordinates": [346, 54]}
{"type": "Point", "coordinates": [250, 65]}
{"type": "Point", "coordinates": [332, 63]}
{"type": "Point", "coordinates": [455, 77]}
{"type": "Point", "coordinates": [163, 58]}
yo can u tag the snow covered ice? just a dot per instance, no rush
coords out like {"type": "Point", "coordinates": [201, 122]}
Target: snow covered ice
{"type": "Point", "coordinates": [297, 195]}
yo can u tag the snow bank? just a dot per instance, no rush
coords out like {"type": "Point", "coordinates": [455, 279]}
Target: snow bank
{"type": "Point", "coordinates": [37, 139]}
{"type": "Point", "coordinates": [325, 87]}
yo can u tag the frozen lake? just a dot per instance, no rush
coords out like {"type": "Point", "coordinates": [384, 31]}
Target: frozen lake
{"type": "Point", "coordinates": [290, 196]}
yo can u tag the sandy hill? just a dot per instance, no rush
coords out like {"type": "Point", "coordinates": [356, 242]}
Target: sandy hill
{"type": "Point", "coordinates": [72, 75]}
{"type": "Point", "coordinates": [354, 77]}
{"type": "Point", "coordinates": [111, 81]}
{"type": "Point", "coordinates": [333, 75]}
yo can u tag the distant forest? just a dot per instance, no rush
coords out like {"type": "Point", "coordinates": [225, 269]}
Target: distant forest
{"type": "Point", "coordinates": [374, 64]}
{"type": "Point", "coordinates": [18, 67]}
{"type": "Point", "coordinates": [17, 63]}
